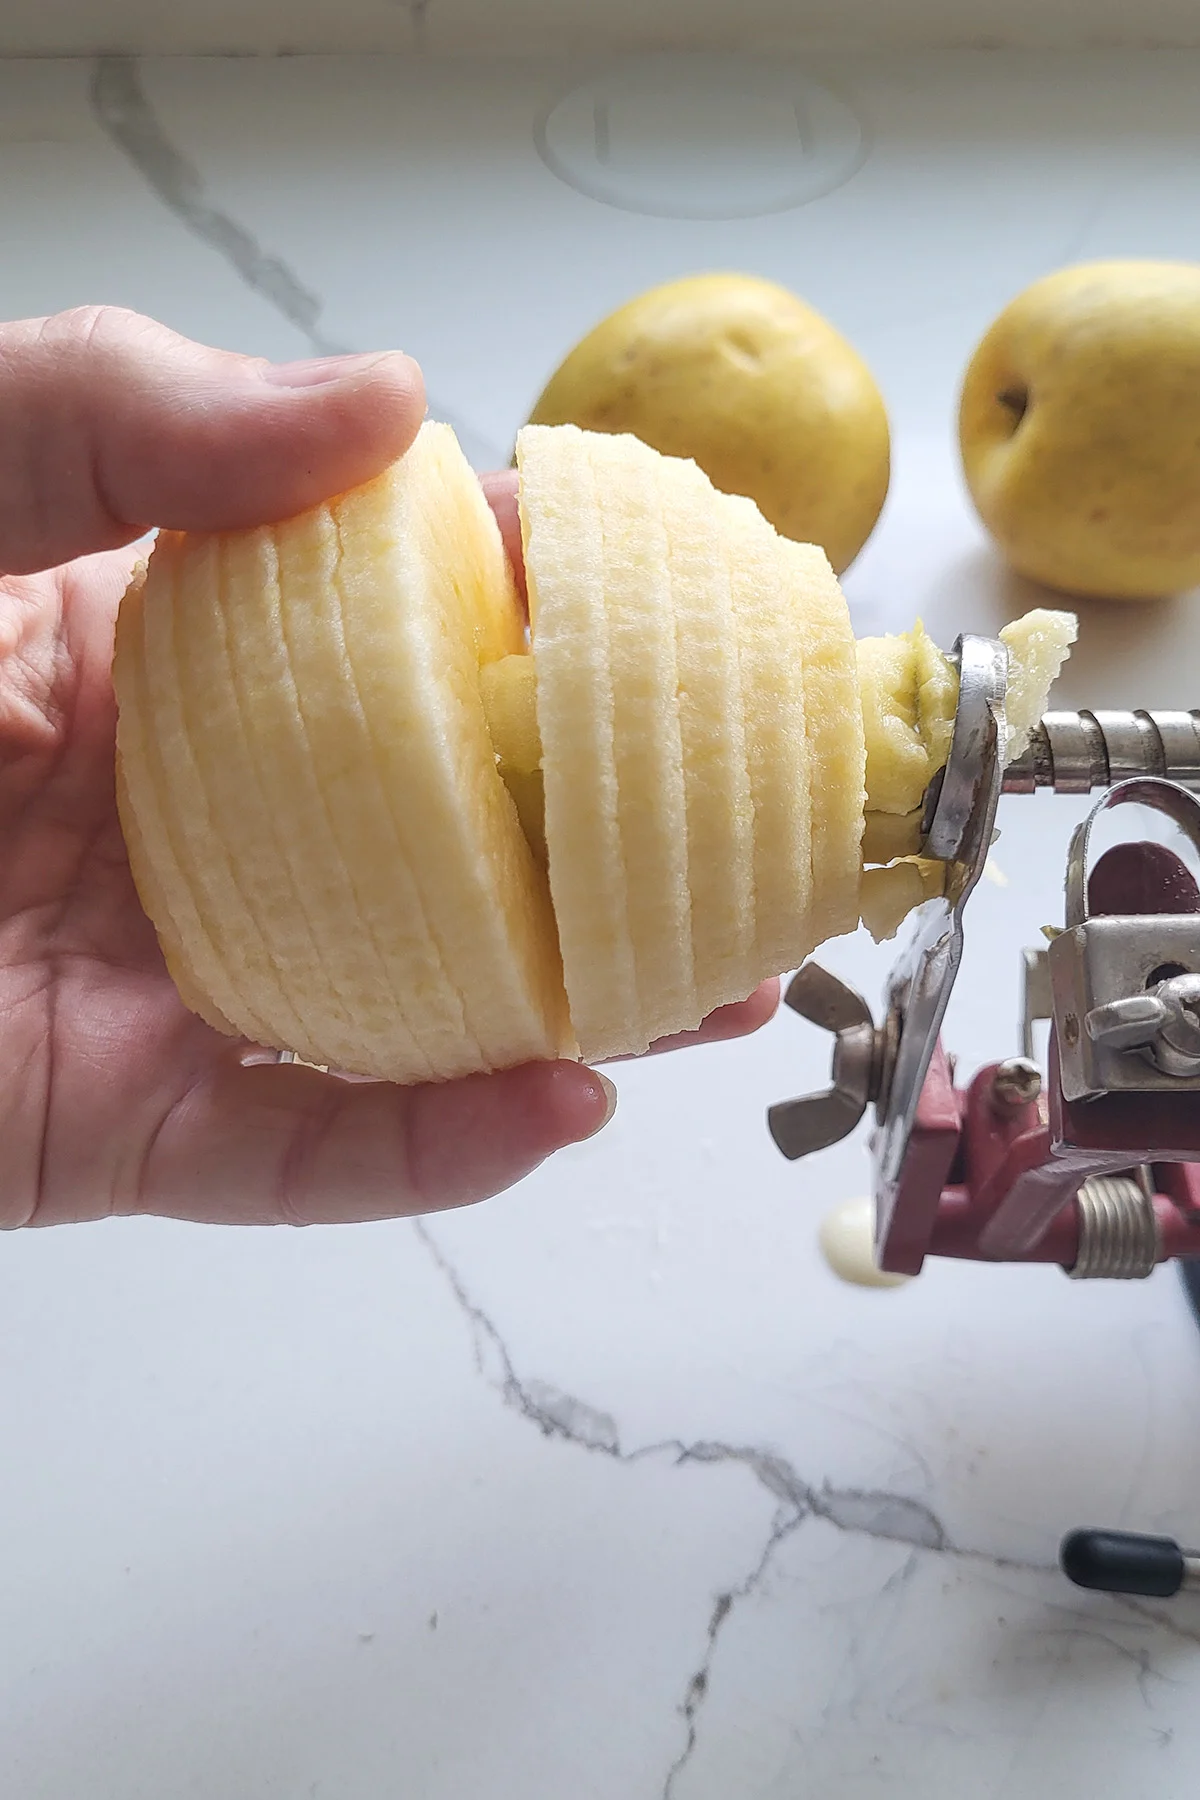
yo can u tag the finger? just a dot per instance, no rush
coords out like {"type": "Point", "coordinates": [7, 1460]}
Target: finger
{"type": "Point", "coordinates": [501, 492]}
{"type": "Point", "coordinates": [111, 424]}
{"type": "Point", "coordinates": [268, 1145]}
{"type": "Point", "coordinates": [735, 1021]}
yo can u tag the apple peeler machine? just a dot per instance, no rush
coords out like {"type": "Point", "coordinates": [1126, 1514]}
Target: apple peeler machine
{"type": "Point", "coordinates": [1095, 1165]}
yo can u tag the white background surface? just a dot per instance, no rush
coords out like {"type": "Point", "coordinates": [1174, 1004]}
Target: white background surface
{"type": "Point", "coordinates": [607, 1488]}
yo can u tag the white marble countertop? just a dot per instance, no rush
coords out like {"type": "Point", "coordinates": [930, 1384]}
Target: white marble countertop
{"type": "Point", "coordinates": [607, 1488]}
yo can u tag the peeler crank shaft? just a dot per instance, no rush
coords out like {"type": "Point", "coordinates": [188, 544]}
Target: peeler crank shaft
{"type": "Point", "coordinates": [1075, 752]}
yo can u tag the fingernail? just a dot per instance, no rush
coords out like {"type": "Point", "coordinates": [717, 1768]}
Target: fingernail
{"type": "Point", "coordinates": [610, 1100]}
{"type": "Point", "coordinates": [317, 370]}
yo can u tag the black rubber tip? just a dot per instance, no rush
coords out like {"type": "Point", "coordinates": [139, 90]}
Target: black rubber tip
{"type": "Point", "coordinates": [1189, 1274]}
{"type": "Point", "coordinates": [1122, 1562]}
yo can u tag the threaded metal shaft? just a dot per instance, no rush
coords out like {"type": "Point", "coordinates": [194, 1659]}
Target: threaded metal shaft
{"type": "Point", "coordinates": [1074, 752]}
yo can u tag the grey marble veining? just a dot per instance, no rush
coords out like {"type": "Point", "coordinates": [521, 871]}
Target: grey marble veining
{"type": "Point", "coordinates": [126, 114]}
{"type": "Point", "coordinates": [124, 111]}
{"type": "Point", "coordinates": [892, 1518]}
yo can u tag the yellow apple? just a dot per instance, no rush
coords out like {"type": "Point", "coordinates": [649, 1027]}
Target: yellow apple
{"type": "Point", "coordinates": [1079, 426]}
{"type": "Point", "coordinates": [754, 386]}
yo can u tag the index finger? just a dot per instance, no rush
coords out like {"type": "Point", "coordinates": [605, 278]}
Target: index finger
{"type": "Point", "coordinates": [500, 490]}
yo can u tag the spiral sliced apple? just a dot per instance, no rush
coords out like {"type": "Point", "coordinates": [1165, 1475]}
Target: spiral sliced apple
{"type": "Point", "coordinates": [376, 826]}
{"type": "Point", "coordinates": [308, 788]}
{"type": "Point", "coordinates": [700, 733]}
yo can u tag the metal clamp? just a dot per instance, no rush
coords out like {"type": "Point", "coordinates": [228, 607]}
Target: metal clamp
{"type": "Point", "coordinates": [1163, 796]}
{"type": "Point", "coordinates": [1126, 989]}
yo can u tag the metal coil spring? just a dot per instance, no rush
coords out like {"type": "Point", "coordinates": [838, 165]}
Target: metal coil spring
{"type": "Point", "coordinates": [1118, 1230]}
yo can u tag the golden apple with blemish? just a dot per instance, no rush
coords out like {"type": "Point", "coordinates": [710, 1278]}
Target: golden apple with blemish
{"type": "Point", "coordinates": [1079, 425]}
{"type": "Point", "coordinates": [743, 378]}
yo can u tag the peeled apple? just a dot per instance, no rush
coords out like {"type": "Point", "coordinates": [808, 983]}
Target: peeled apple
{"type": "Point", "coordinates": [377, 823]}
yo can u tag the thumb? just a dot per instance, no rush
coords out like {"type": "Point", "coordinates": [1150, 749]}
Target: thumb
{"type": "Point", "coordinates": [270, 1145]}
{"type": "Point", "coordinates": [111, 424]}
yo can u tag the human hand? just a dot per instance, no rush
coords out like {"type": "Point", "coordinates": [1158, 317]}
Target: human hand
{"type": "Point", "coordinates": [113, 1097]}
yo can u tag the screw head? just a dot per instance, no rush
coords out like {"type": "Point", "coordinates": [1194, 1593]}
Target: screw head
{"type": "Point", "coordinates": [1016, 1083]}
